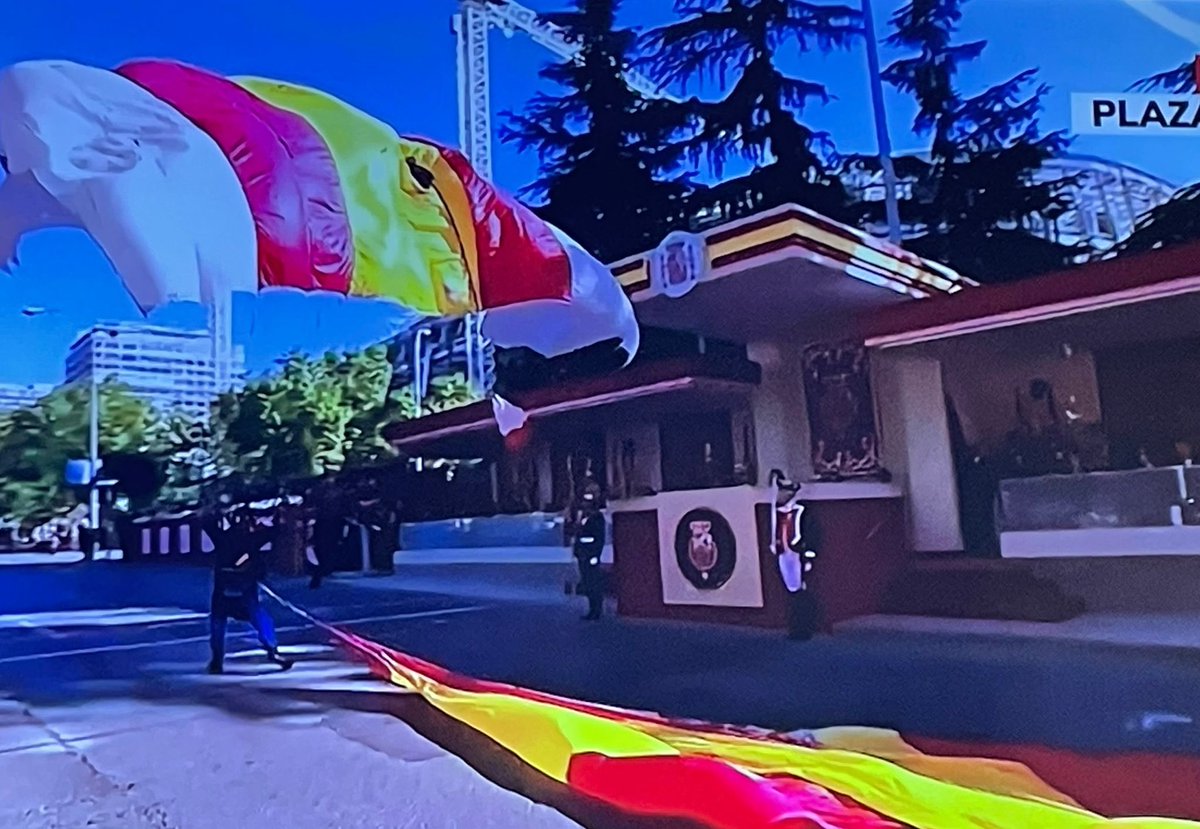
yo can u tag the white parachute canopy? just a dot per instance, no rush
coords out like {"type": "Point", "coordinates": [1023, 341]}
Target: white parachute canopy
{"type": "Point", "coordinates": [156, 193]}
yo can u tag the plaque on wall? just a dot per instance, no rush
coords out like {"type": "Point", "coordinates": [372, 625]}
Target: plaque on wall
{"type": "Point", "coordinates": [705, 549]}
{"type": "Point", "coordinates": [841, 412]}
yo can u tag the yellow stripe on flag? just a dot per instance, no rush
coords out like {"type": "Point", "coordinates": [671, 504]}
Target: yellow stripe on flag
{"type": "Point", "coordinates": [453, 194]}
{"type": "Point", "coordinates": [543, 735]}
{"type": "Point", "coordinates": [405, 245]}
{"type": "Point", "coordinates": [944, 794]}
{"type": "Point", "coordinates": [998, 776]}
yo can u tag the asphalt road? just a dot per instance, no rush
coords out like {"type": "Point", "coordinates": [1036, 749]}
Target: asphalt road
{"type": "Point", "coordinates": [1088, 698]}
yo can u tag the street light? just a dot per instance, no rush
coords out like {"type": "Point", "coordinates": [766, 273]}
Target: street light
{"type": "Point", "coordinates": [94, 440]}
{"type": "Point", "coordinates": [93, 425]}
{"type": "Point", "coordinates": [883, 137]}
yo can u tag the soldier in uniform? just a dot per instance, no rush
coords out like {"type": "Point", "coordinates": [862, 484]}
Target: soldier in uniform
{"type": "Point", "coordinates": [328, 531]}
{"type": "Point", "coordinates": [589, 544]}
{"type": "Point", "coordinates": [238, 541]}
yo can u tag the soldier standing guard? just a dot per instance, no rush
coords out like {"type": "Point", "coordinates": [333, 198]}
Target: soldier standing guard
{"type": "Point", "coordinates": [589, 545]}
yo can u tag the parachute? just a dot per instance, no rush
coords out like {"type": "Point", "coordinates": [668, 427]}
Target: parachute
{"type": "Point", "coordinates": [196, 185]}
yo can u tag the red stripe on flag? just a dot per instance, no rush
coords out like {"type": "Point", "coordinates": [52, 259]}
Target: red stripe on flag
{"type": "Point", "coordinates": [520, 259]}
{"type": "Point", "coordinates": [714, 794]}
{"type": "Point", "coordinates": [285, 169]}
{"type": "Point", "coordinates": [1118, 785]}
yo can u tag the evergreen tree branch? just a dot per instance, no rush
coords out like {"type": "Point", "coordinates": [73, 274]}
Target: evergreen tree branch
{"type": "Point", "coordinates": [1178, 81]}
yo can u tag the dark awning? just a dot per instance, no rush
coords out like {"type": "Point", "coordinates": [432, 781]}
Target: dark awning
{"type": "Point", "coordinates": [657, 383]}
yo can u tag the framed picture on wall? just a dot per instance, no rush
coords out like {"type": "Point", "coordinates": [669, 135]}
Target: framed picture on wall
{"type": "Point", "coordinates": [841, 413]}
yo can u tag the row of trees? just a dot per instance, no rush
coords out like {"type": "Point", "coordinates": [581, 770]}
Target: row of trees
{"type": "Point", "coordinates": [313, 417]}
{"type": "Point", "coordinates": [619, 167]}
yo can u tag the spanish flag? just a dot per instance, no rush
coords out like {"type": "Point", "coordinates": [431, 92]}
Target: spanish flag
{"type": "Point", "coordinates": [736, 778]}
{"type": "Point", "coordinates": [193, 183]}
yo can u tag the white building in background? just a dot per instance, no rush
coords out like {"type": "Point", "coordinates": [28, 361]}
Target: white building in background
{"type": "Point", "coordinates": [1104, 199]}
{"type": "Point", "coordinates": [173, 369]}
{"type": "Point", "coordinates": [20, 395]}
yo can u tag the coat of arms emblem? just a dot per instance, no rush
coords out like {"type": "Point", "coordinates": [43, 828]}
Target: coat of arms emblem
{"type": "Point", "coordinates": [705, 549]}
{"type": "Point", "coordinates": [702, 548]}
{"type": "Point", "coordinates": [678, 264]}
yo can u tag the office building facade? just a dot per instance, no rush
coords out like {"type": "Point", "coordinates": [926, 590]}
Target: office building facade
{"type": "Point", "coordinates": [22, 395]}
{"type": "Point", "coordinates": [175, 370]}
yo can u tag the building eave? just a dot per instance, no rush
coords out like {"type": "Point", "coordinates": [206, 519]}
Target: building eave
{"type": "Point", "coordinates": [1094, 286]}
{"type": "Point", "coordinates": [792, 230]}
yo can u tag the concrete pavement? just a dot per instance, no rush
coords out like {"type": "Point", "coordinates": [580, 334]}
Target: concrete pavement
{"type": "Point", "coordinates": [242, 750]}
{"type": "Point", "coordinates": [1146, 631]}
{"type": "Point", "coordinates": [1061, 693]}
{"type": "Point", "coordinates": [10, 559]}
{"type": "Point", "coordinates": [1079, 696]}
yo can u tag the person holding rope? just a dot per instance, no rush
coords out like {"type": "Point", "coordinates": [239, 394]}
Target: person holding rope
{"type": "Point", "coordinates": [239, 539]}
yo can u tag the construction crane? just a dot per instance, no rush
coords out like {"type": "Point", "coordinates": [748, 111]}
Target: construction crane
{"type": "Point", "coordinates": [472, 24]}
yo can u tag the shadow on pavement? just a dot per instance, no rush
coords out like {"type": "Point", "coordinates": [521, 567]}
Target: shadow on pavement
{"type": "Point", "coordinates": [254, 690]}
{"type": "Point", "coordinates": [487, 758]}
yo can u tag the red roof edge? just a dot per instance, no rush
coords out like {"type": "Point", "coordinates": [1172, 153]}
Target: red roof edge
{"type": "Point", "coordinates": [1087, 281]}
{"type": "Point", "coordinates": [637, 376]}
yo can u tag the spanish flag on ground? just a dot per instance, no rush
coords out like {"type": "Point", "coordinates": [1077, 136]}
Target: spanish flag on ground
{"type": "Point", "coordinates": [733, 778]}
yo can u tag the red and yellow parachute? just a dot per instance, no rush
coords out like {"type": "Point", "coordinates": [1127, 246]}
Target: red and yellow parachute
{"type": "Point", "coordinates": [195, 184]}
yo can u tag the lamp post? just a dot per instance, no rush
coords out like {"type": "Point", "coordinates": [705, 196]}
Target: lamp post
{"type": "Point", "coordinates": [93, 423]}
{"type": "Point", "coordinates": [883, 138]}
{"type": "Point", "coordinates": [94, 456]}
{"type": "Point", "coordinates": [94, 438]}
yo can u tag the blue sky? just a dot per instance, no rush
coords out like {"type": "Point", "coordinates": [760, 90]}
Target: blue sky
{"type": "Point", "coordinates": [396, 60]}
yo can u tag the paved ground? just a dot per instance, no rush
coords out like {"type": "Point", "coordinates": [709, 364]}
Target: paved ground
{"type": "Point", "coordinates": [1180, 630]}
{"type": "Point", "coordinates": [118, 713]}
{"type": "Point", "coordinates": [245, 751]}
{"type": "Point", "coordinates": [11, 559]}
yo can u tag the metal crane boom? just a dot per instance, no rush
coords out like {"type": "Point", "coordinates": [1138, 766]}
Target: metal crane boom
{"type": "Point", "coordinates": [472, 23]}
{"type": "Point", "coordinates": [474, 20]}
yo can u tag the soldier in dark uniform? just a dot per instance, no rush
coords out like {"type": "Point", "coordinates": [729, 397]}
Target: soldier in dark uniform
{"type": "Point", "coordinates": [379, 518]}
{"type": "Point", "coordinates": [589, 545]}
{"type": "Point", "coordinates": [328, 532]}
{"type": "Point", "coordinates": [238, 542]}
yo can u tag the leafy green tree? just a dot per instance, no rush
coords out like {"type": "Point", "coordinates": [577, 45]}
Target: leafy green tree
{"type": "Point", "coordinates": [737, 45]}
{"type": "Point", "coordinates": [36, 442]}
{"type": "Point", "coordinates": [609, 168]}
{"type": "Point", "coordinates": [188, 450]}
{"type": "Point", "coordinates": [448, 392]}
{"type": "Point", "coordinates": [312, 418]}
{"type": "Point", "coordinates": [980, 188]}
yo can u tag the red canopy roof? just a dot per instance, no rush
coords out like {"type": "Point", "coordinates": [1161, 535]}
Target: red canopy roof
{"type": "Point", "coordinates": [1102, 284]}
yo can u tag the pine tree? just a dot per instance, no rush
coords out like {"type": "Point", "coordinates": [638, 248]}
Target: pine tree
{"type": "Point", "coordinates": [1181, 80]}
{"type": "Point", "coordinates": [984, 152]}
{"type": "Point", "coordinates": [1171, 223]}
{"type": "Point", "coordinates": [1177, 220]}
{"type": "Point", "coordinates": [609, 172]}
{"type": "Point", "coordinates": [736, 45]}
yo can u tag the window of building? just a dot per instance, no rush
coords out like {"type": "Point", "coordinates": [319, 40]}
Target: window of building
{"type": "Point", "coordinates": [697, 450]}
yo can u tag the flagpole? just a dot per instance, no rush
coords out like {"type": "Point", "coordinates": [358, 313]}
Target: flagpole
{"type": "Point", "coordinates": [883, 138]}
